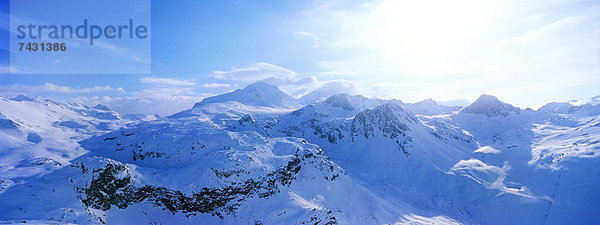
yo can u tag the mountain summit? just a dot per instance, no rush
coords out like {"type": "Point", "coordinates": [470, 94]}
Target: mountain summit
{"type": "Point", "coordinates": [256, 94]}
{"type": "Point", "coordinates": [490, 106]}
{"type": "Point", "coordinates": [430, 107]}
{"type": "Point", "coordinates": [328, 90]}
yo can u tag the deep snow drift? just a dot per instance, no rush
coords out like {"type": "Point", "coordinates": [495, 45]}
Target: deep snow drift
{"type": "Point", "coordinates": [257, 156]}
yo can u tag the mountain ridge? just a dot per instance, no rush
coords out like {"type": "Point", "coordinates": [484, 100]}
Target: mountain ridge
{"type": "Point", "coordinates": [240, 158]}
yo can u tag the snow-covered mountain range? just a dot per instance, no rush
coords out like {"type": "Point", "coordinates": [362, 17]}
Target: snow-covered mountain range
{"type": "Point", "coordinates": [258, 156]}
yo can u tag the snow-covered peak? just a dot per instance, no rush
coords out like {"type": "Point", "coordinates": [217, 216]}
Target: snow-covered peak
{"type": "Point", "coordinates": [20, 98]}
{"type": "Point", "coordinates": [352, 102]}
{"type": "Point", "coordinates": [430, 107]}
{"type": "Point", "coordinates": [490, 106]}
{"type": "Point", "coordinates": [556, 107]}
{"type": "Point", "coordinates": [589, 106]}
{"type": "Point", "coordinates": [261, 85]}
{"type": "Point", "coordinates": [588, 101]}
{"type": "Point", "coordinates": [101, 107]}
{"type": "Point", "coordinates": [340, 106]}
{"type": "Point", "coordinates": [256, 94]}
{"type": "Point", "coordinates": [340, 101]}
{"type": "Point", "coordinates": [388, 118]}
{"type": "Point", "coordinates": [328, 90]}
{"type": "Point", "coordinates": [429, 101]}
{"type": "Point", "coordinates": [389, 112]}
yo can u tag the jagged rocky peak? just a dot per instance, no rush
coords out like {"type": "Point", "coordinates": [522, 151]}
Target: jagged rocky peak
{"type": "Point", "coordinates": [589, 106]}
{"type": "Point", "coordinates": [430, 107]}
{"type": "Point", "coordinates": [557, 107]}
{"type": "Point", "coordinates": [388, 112]}
{"type": "Point", "coordinates": [391, 119]}
{"type": "Point", "coordinates": [101, 107]}
{"type": "Point", "coordinates": [427, 102]}
{"type": "Point", "coordinates": [327, 90]}
{"type": "Point", "coordinates": [256, 94]}
{"type": "Point", "coordinates": [490, 106]}
{"type": "Point", "coordinates": [354, 103]}
{"type": "Point", "coordinates": [21, 98]}
{"type": "Point", "coordinates": [340, 101]}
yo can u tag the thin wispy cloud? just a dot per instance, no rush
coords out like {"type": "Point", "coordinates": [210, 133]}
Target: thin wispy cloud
{"type": "Point", "coordinates": [216, 85]}
{"type": "Point", "coordinates": [315, 38]}
{"type": "Point", "coordinates": [257, 71]}
{"type": "Point", "coordinates": [50, 87]}
{"type": "Point", "coordinates": [9, 69]}
{"type": "Point", "coordinates": [122, 52]}
{"type": "Point", "coordinates": [266, 72]}
{"type": "Point", "coordinates": [562, 25]}
{"type": "Point", "coordinates": [166, 81]}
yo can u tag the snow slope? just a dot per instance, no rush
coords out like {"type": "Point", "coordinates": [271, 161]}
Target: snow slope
{"type": "Point", "coordinates": [39, 135]}
{"type": "Point", "coordinates": [550, 157]}
{"type": "Point", "coordinates": [186, 171]}
{"type": "Point", "coordinates": [255, 156]}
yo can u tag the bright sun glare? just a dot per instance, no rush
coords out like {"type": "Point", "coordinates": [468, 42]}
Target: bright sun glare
{"type": "Point", "coordinates": [426, 32]}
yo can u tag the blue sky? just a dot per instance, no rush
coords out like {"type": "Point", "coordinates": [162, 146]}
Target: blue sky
{"type": "Point", "coordinates": [525, 52]}
{"type": "Point", "coordinates": [86, 55]}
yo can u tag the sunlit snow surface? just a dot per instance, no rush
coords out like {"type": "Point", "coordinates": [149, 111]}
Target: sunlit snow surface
{"type": "Point", "coordinates": [256, 156]}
